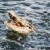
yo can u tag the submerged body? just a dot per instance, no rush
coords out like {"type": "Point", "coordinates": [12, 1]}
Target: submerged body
{"type": "Point", "coordinates": [19, 24]}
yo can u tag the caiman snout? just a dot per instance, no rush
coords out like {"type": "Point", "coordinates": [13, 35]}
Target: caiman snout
{"type": "Point", "coordinates": [15, 20]}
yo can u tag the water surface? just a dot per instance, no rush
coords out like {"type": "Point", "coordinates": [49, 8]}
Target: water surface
{"type": "Point", "coordinates": [38, 13]}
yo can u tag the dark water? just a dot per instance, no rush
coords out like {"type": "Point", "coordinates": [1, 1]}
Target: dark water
{"type": "Point", "coordinates": [37, 12]}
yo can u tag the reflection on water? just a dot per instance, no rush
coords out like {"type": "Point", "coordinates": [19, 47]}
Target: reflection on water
{"type": "Point", "coordinates": [37, 12]}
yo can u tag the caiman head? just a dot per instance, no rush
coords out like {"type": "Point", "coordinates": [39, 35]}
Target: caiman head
{"type": "Point", "coordinates": [15, 18]}
{"type": "Point", "coordinates": [12, 15]}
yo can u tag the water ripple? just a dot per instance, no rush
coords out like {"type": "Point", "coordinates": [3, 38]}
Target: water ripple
{"type": "Point", "coordinates": [36, 12]}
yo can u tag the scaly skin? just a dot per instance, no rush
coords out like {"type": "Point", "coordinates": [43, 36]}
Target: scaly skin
{"type": "Point", "coordinates": [18, 24]}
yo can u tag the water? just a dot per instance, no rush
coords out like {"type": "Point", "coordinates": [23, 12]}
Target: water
{"type": "Point", "coordinates": [35, 11]}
